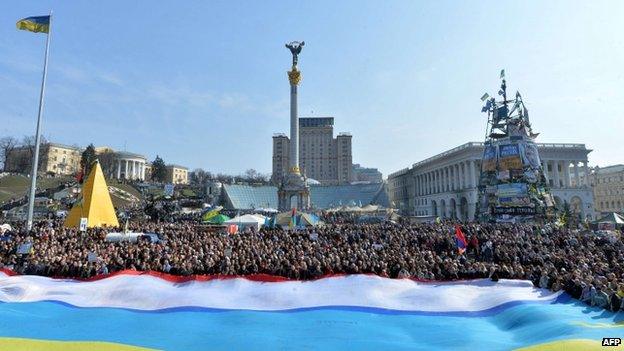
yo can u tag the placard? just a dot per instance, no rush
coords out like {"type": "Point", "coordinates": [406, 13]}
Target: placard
{"type": "Point", "coordinates": [489, 159]}
{"type": "Point", "coordinates": [511, 190]}
{"type": "Point", "coordinates": [530, 156]}
{"type": "Point", "coordinates": [83, 224]}
{"type": "Point", "coordinates": [514, 201]}
{"type": "Point", "coordinates": [24, 249]}
{"type": "Point", "coordinates": [168, 190]}
{"type": "Point", "coordinates": [509, 157]}
{"type": "Point", "coordinates": [92, 257]}
{"type": "Point", "coordinates": [514, 211]}
{"type": "Point", "coordinates": [503, 175]}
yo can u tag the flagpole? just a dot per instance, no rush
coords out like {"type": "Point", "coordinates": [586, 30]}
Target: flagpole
{"type": "Point", "coordinates": [33, 174]}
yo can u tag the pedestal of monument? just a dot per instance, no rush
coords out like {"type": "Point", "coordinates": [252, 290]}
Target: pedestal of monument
{"type": "Point", "coordinates": [293, 186]}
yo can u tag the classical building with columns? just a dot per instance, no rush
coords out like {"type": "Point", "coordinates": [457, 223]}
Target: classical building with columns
{"type": "Point", "coordinates": [445, 185]}
{"type": "Point", "coordinates": [122, 164]}
{"type": "Point", "coordinates": [129, 166]}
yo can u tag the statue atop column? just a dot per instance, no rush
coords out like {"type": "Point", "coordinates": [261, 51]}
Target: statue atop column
{"type": "Point", "coordinates": [295, 48]}
{"type": "Point", "coordinates": [294, 191]}
{"type": "Point", "coordinates": [294, 75]}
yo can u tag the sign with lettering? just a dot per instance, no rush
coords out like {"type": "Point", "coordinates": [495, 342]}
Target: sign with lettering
{"type": "Point", "coordinates": [509, 157]}
{"type": "Point", "coordinates": [489, 159]}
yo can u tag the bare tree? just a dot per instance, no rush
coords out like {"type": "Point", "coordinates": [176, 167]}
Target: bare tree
{"type": "Point", "coordinates": [107, 162]}
{"type": "Point", "coordinates": [200, 177]}
{"type": "Point", "coordinates": [253, 176]}
{"type": "Point", "coordinates": [28, 142]}
{"type": "Point", "coordinates": [7, 145]}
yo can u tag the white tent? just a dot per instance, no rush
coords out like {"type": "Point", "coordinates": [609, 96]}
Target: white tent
{"type": "Point", "coordinates": [5, 228]}
{"type": "Point", "coordinates": [247, 221]}
{"type": "Point", "coordinates": [268, 210]}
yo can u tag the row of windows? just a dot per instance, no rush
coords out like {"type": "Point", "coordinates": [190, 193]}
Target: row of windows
{"type": "Point", "coordinates": [65, 152]}
{"type": "Point", "coordinates": [615, 205]}
{"type": "Point", "coordinates": [609, 192]}
{"type": "Point", "coordinates": [610, 179]}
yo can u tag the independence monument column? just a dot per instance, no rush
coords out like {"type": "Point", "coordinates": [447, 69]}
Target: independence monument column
{"type": "Point", "coordinates": [294, 77]}
{"type": "Point", "coordinates": [294, 191]}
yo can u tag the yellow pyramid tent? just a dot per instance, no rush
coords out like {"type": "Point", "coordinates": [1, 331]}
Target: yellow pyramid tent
{"type": "Point", "coordinates": [95, 203]}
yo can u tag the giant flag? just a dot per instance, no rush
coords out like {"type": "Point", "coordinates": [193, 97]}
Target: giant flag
{"type": "Point", "coordinates": [132, 310]}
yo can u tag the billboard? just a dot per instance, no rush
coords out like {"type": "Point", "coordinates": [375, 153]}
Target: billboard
{"type": "Point", "coordinates": [514, 211]}
{"type": "Point", "coordinates": [489, 159]}
{"type": "Point", "coordinates": [509, 157]}
{"type": "Point", "coordinates": [514, 201]}
{"type": "Point", "coordinates": [530, 156]}
{"type": "Point", "coordinates": [511, 190]}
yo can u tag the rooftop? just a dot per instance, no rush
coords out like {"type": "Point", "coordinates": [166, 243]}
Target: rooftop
{"type": "Point", "coordinates": [129, 154]}
{"type": "Point", "coordinates": [316, 122]}
{"type": "Point", "coordinates": [322, 197]}
{"type": "Point", "coordinates": [64, 146]}
{"type": "Point", "coordinates": [172, 165]}
{"type": "Point", "coordinates": [609, 169]}
{"type": "Point", "coordinates": [479, 145]}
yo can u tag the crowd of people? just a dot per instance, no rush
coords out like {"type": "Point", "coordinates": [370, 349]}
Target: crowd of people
{"type": "Point", "coordinates": [588, 267]}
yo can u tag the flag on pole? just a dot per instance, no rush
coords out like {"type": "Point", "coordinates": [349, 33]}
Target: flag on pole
{"type": "Point", "coordinates": [37, 24]}
{"type": "Point", "coordinates": [293, 218]}
{"type": "Point", "coordinates": [502, 75]}
{"type": "Point", "coordinates": [485, 96]}
{"type": "Point", "coordinates": [460, 239]}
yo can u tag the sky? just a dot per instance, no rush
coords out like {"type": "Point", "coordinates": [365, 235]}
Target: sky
{"type": "Point", "coordinates": [204, 84]}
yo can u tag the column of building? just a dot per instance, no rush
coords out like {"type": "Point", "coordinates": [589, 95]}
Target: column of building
{"type": "Point", "coordinates": [556, 179]}
{"type": "Point", "coordinates": [566, 174]}
{"type": "Point", "coordinates": [545, 170]}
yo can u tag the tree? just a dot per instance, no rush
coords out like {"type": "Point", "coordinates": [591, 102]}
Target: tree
{"type": "Point", "coordinates": [7, 144]}
{"type": "Point", "coordinates": [200, 177]}
{"type": "Point", "coordinates": [159, 169]}
{"type": "Point", "coordinates": [107, 162]}
{"type": "Point", "coordinates": [251, 174]}
{"type": "Point", "coordinates": [24, 162]}
{"type": "Point", "coordinates": [88, 157]}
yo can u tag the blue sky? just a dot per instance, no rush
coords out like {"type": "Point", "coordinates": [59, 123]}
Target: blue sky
{"type": "Point", "coordinates": [203, 83]}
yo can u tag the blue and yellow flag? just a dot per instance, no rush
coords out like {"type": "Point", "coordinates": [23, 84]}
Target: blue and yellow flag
{"type": "Point", "coordinates": [37, 24]}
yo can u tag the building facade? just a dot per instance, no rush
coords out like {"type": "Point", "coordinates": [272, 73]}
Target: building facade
{"type": "Point", "coordinates": [364, 174]}
{"type": "Point", "coordinates": [445, 185]}
{"type": "Point", "coordinates": [129, 166]}
{"type": "Point", "coordinates": [54, 158]}
{"type": "Point", "coordinates": [321, 156]}
{"type": "Point", "coordinates": [177, 174]}
{"type": "Point", "coordinates": [608, 187]}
